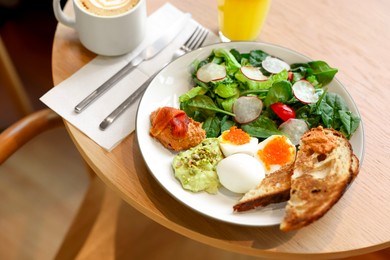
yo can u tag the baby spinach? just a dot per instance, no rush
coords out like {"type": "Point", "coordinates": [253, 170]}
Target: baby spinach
{"type": "Point", "coordinates": [317, 72]}
{"type": "Point", "coordinates": [335, 114]}
{"type": "Point", "coordinates": [256, 57]}
{"type": "Point", "coordinates": [212, 126]}
{"type": "Point", "coordinates": [212, 102]}
{"type": "Point", "coordinates": [263, 127]}
{"type": "Point", "coordinates": [279, 92]}
{"type": "Point", "coordinates": [330, 111]}
{"type": "Point", "coordinates": [206, 104]}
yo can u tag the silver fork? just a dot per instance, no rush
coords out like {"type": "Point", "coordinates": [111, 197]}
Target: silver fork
{"type": "Point", "coordinates": [195, 41]}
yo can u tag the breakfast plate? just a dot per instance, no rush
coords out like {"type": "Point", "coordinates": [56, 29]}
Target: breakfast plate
{"type": "Point", "coordinates": [173, 81]}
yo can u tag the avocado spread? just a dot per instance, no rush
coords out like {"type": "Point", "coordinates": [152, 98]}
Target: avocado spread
{"type": "Point", "coordinates": [195, 167]}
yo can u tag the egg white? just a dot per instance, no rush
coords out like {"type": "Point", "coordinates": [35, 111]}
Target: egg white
{"type": "Point", "coordinates": [240, 172]}
{"type": "Point", "coordinates": [229, 148]}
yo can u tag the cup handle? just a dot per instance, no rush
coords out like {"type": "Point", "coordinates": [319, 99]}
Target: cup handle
{"type": "Point", "coordinates": [61, 16]}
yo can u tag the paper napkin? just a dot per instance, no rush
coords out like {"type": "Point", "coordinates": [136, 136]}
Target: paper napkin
{"type": "Point", "coordinates": [66, 95]}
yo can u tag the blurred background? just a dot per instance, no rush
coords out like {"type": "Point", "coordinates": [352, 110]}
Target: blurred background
{"type": "Point", "coordinates": [40, 190]}
{"type": "Point", "coordinates": [27, 29]}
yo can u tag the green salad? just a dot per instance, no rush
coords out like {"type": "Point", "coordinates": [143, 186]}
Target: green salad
{"type": "Point", "coordinates": [260, 93]}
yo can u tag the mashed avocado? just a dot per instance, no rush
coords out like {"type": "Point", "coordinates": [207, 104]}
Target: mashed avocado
{"type": "Point", "coordinates": [195, 168]}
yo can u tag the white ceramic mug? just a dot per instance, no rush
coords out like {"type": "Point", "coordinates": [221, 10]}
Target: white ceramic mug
{"type": "Point", "coordinates": [106, 35]}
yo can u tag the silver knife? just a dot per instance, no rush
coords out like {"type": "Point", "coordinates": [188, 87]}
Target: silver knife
{"type": "Point", "coordinates": [148, 53]}
{"type": "Point", "coordinates": [125, 104]}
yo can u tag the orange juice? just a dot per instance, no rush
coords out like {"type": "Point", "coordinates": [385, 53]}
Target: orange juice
{"type": "Point", "coordinates": [241, 20]}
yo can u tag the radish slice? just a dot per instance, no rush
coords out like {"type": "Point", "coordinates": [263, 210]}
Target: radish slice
{"type": "Point", "coordinates": [294, 129]}
{"type": "Point", "coordinates": [247, 109]}
{"type": "Point", "coordinates": [211, 72]}
{"type": "Point", "coordinates": [274, 65]}
{"type": "Point", "coordinates": [305, 92]}
{"type": "Point", "coordinates": [253, 73]}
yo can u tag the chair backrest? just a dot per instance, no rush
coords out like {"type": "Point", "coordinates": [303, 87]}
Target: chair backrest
{"type": "Point", "coordinates": [25, 129]}
{"type": "Point", "coordinates": [12, 83]}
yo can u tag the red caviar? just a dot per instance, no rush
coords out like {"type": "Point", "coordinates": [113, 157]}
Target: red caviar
{"type": "Point", "coordinates": [236, 136]}
{"type": "Point", "coordinates": [276, 151]}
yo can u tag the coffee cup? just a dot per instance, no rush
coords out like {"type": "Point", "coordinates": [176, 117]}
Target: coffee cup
{"type": "Point", "coordinates": [106, 27]}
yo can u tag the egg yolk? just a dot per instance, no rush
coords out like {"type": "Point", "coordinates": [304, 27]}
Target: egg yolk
{"type": "Point", "coordinates": [236, 136]}
{"type": "Point", "coordinates": [276, 151]}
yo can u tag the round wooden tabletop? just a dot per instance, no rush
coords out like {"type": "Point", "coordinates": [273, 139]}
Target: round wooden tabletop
{"type": "Point", "coordinates": [350, 35]}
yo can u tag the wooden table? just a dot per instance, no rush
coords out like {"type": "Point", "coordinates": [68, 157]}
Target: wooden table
{"type": "Point", "coordinates": [350, 35]}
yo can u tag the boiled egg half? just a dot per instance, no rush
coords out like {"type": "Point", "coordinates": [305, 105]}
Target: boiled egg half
{"type": "Point", "coordinates": [235, 140]}
{"type": "Point", "coordinates": [275, 152]}
{"type": "Point", "coordinates": [240, 172]}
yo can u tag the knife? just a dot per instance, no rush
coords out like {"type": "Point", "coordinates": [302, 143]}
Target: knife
{"type": "Point", "coordinates": [148, 53]}
{"type": "Point", "coordinates": [125, 104]}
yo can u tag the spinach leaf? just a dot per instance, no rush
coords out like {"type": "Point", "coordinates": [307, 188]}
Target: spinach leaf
{"type": "Point", "coordinates": [305, 113]}
{"type": "Point", "coordinates": [205, 103]}
{"type": "Point", "coordinates": [350, 123]}
{"type": "Point", "coordinates": [226, 123]}
{"type": "Point", "coordinates": [279, 92]}
{"type": "Point", "coordinates": [335, 101]}
{"type": "Point", "coordinates": [331, 111]}
{"type": "Point", "coordinates": [327, 113]}
{"type": "Point", "coordinates": [236, 55]}
{"type": "Point", "coordinates": [256, 57]}
{"type": "Point", "coordinates": [212, 126]}
{"type": "Point", "coordinates": [262, 127]}
{"type": "Point", "coordinates": [323, 72]}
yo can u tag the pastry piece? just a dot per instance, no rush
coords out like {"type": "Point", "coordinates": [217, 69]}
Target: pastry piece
{"type": "Point", "coordinates": [174, 129]}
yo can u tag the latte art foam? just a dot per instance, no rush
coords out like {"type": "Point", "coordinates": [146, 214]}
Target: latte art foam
{"type": "Point", "coordinates": [108, 7]}
{"type": "Point", "coordinates": [109, 4]}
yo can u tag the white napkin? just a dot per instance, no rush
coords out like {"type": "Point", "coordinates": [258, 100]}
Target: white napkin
{"type": "Point", "coordinates": [66, 95]}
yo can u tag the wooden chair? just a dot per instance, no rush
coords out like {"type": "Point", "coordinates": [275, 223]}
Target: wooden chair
{"type": "Point", "coordinates": [13, 84]}
{"type": "Point", "coordinates": [26, 129]}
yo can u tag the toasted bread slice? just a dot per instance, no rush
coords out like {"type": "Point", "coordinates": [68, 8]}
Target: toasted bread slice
{"type": "Point", "coordinates": [324, 166]}
{"type": "Point", "coordinates": [274, 188]}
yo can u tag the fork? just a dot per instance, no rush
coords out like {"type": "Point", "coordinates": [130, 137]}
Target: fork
{"type": "Point", "coordinates": [195, 41]}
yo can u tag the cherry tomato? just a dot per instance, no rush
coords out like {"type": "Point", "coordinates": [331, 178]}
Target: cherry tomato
{"type": "Point", "coordinates": [283, 111]}
{"type": "Point", "coordinates": [290, 76]}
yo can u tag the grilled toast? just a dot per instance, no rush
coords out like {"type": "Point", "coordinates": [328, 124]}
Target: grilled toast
{"type": "Point", "coordinates": [324, 167]}
{"type": "Point", "coordinates": [274, 188]}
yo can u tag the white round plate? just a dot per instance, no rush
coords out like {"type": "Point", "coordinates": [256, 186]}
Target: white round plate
{"type": "Point", "coordinates": [165, 89]}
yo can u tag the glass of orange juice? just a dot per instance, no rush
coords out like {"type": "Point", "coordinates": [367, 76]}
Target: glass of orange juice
{"type": "Point", "coordinates": [241, 20]}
